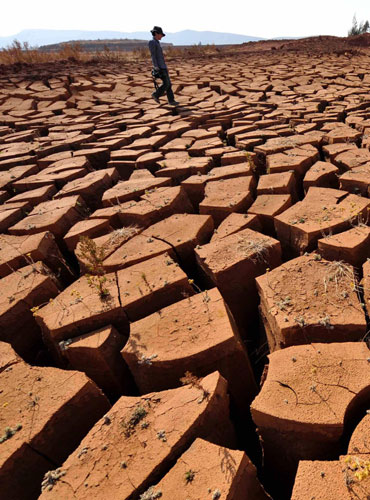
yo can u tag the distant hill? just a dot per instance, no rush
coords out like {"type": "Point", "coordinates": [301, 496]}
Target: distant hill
{"type": "Point", "coordinates": [37, 38]}
{"type": "Point", "coordinates": [98, 45]}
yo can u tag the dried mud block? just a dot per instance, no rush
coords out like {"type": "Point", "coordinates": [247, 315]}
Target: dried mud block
{"type": "Point", "coordinates": [359, 442]}
{"type": "Point", "coordinates": [180, 169]}
{"type": "Point", "coordinates": [267, 206]}
{"type": "Point", "coordinates": [352, 158]}
{"type": "Point", "coordinates": [366, 284]}
{"type": "Point", "coordinates": [107, 244]}
{"type": "Point", "coordinates": [20, 251]}
{"type": "Point", "coordinates": [98, 355]}
{"type": "Point", "coordinates": [308, 393]}
{"type": "Point", "coordinates": [345, 478]}
{"type": "Point", "coordinates": [207, 470]}
{"type": "Point", "coordinates": [342, 133]}
{"type": "Point", "coordinates": [9, 216]}
{"type": "Point", "coordinates": [234, 223]}
{"type": "Point", "coordinates": [323, 210]}
{"type": "Point", "coordinates": [132, 190]}
{"type": "Point", "coordinates": [233, 263]}
{"type": "Point", "coordinates": [298, 159]}
{"type": "Point", "coordinates": [352, 246]}
{"type": "Point", "coordinates": [149, 161]}
{"type": "Point", "coordinates": [92, 228]}
{"type": "Point", "coordinates": [20, 292]}
{"type": "Point", "coordinates": [321, 174]}
{"type": "Point", "coordinates": [200, 146]}
{"type": "Point", "coordinates": [151, 143]}
{"type": "Point", "coordinates": [280, 144]}
{"type": "Point", "coordinates": [309, 299]}
{"type": "Point", "coordinates": [91, 188]}
{"type": "Point", "coordinates": [151, 285]}
{"type": "Point", "coordinates": [8, 356]}
{"type": "Point", "coordinates": [98, 157]}
{"type": "Point", "coordinates": [47, 413]}
{"type": "Point", "coordinates": [82, 308]}
{"type": "Point", "coordinates": [52, 176]}
{"type": "Point", "coordinates": [226, 196]}
{"type": "Point", "coordinates": [56, 216]}
{"type": "Point", "coordinates": [4, 196]}
{"type": "Point", "coordinates": [280, 183]}
{"type": "Point", "coordinates": [331, 151]}
{"type": "Point", "coordinates": [194, 335]}
{"type": "Point", "coordinates": [357, 180]}
{"type": "Point", "coordinates": [196, 184]}
{"type": "Point", "coordinates": [137, 249]}
{"type": "Point", "coordinates": [35, 196]}
{"type": "Point", "coordinates": [111, 460]}
{"type": "Point", "coordinates": [183, 232]}
{"type": "Point", "coordinates": [155, 206]}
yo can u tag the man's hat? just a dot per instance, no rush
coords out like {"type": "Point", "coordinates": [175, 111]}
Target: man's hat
{"type": "Point", "coordinates": [157, 29]}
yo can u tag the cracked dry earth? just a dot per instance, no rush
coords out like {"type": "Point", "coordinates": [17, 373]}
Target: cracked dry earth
{"type": "Point", "coordinates": [220, 349]}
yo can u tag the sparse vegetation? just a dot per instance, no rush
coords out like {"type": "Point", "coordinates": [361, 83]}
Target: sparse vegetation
{"type": "Point", "coordinates": [194, 381]}
{"type": "Point", "coordinates": [189, 476]}
{"type": "Point", "coordinates": [93, 257]}
{"type": "Point", "coordinates": [136, 416]}
{"type": "Point", "coordinates": [359, 28]}
{"type": "Point", "coordinates": [9, 432]}
{"type": "Point", "coordinates": [51, 478]}
{"type": "Point", "coordinates": [151, 494]}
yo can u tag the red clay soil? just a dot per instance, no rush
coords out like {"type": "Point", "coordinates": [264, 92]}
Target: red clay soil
{"type": "Point", "coordinates": [107, 243]}
{"type": "Point", "coordinates": [137, 249]}
{"type": "Point", "coordinates": [155, 206]}
{"type": "Point", "coordinates": [196, 184]}
{"type": "Point", "coordinates": [309, 299]}
{"type": "Point", "coordinates": [352, 246]}
{"type": "Point", "coordinates": [91, 187]}
{"type": "Point", "coordinates": [226, 196]}
{"type": "Point", "coordinates": [280, 183]}
{"type": "Point", "coordinates": [98, 355]}
{"type": "Point", "coordinates": [180, 169]}
{"type": "Point", "coordinates": [131, 190]}
{"type": "Point", "coordinates": [323, 210]}
{"type": "Point", "coordinates": [232, 264]}
{"type": "Point", "coordinates": [366, 285]}
{"type": "Point", "coordinates": [184, 232]}
{"type": "Point", "coordinates": [151, 285]}
{"type": "Point", "coordinates": [90, 228]}
{"type": "Point", "coordinates": [19, 251]}
{"type": "Point", "coordinates": [140, 437]}
{"type": "Point", "coordinates": [84, 150]}
{"type": "Point", "coordinates": [325, 480]}
{"type": "Point", "coordinates": [321, 174]}
{"type": "Point", "coordinates": [234, 223]}
{"type": "Point", "coordinates": [206, 469]}
{"type": "Point", "coordinates": [48, 412]}
{"type": "Point", "coordinates": [357, 180]}
{"type": "Point", "coordinates": [81, 308]}
{"type": "Point", "coordinates": [267, 206]}
{"type": "Point", "coordinates": [28, 288]}
{"type": "Point", "coordinates": [56, 216]}
{"type": "Point", "coordinates": [35, 196]}
{"type": "Point", "coordinates": [193, 335]}
{"type": "Point", "coordinates": [308, 393]}
{"type": "Point", "coordinates": [352, 158]}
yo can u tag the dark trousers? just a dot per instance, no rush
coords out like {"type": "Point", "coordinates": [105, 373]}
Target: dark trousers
{"type": "Point", "coordinates": [165, 87]}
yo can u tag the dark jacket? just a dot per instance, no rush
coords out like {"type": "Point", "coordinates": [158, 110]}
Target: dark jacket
{"type": "Point", "coordinates": [157, 54]}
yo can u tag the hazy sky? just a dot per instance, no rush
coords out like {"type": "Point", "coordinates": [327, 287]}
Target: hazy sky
{"type": "Point", "coordinates": [263, 18]}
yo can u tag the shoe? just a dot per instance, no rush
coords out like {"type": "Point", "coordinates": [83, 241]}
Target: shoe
{"type": "Point", "coordinates": [156, 98]}
{"type": "Point", "coordinates": [174, 103]}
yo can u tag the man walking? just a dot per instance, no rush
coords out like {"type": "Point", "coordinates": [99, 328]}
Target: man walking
{"type": "Point", "coordinates": [160, 67]}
